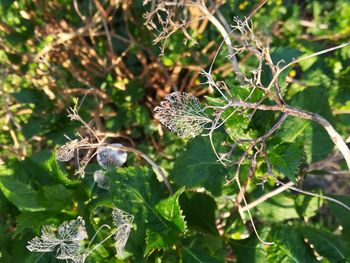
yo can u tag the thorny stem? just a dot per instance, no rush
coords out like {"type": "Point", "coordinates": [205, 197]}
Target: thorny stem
{"type": "Point", "coordinates": [333, 134]}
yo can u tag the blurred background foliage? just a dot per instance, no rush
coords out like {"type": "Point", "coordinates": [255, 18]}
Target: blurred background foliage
{"type": "Point", "coordinates": [52, 52]}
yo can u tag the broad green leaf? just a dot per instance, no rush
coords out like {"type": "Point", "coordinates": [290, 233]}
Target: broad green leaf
{"type": "Point", "coordinates": [136, 90]}
{"type": "Point", "coordinates": [203, 248]}
{"type": "Point", "coordinates": [316, 141]}
{"type": "Point", "coordinates": [289, 247]}
{"type": "Point", "coordinates": [237, 126]}
{"type": "Point", "coordinates": [197, 166]}
{"type": "Point", "coordinates": [249, 250]}
{"type": "Point", "coordinates": [342, 214]}
{"type": "Point", "coordinates": [199, 211]}
{"type": "Point", "coordinates": [20, 194]}
{"type": "Point", "coordinates": [308, 206]}
{"type": "Point", "coordinates": [326, 244]}
{"type": "Point", "coordinates": [277, 209]}
{"type": "Point", "coordinates": [55, 197]}
{"type": "Point", "coordinates": [158, 241]}
{"type": "Point", "coordinates": [136, 190]}
{"type": "Point", "coordinates": [34, 96]}
{"type": "Point", "coordinates": [286, 159]}
{"type": "Point", "coordinates": [35, 220]}
{"type": "Point", "coordinates": [170, 210]}
{"type": "Point", "coordinates": [56, 171]}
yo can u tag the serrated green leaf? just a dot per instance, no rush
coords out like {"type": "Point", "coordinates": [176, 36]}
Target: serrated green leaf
{"type": "Point", "coordinates": [277, 209]}
{"type": "Point", "coordinates": [55, 197]}
{"type": "Point", "coordinates": [286, 159]}
{"type": "Point", "coordinates": [137, 190]}
{"type": "Point", "coordinates": [237, 126]}
{"type": "Point", "coordinates": [55, 171]}
{"type": "Point", "coordinates": [308, 206]}
{"type": "Point", "coordinates": [158, 241]}
{"type": "Point", "coordinates": [326, 244]}
{"type": "Point", "coordinates": [170, 210]}
{"type": "Point", "coordinates": [20, 194]}
{"type": "Point", "coordinates": [342, 214]}
{"type": "Point", "coordinates": [198, 167]}
{"type": "Point", "coordinates": [203, 249]}
{"type": "Point", "coordinates": [289, 247]}
{"type": "Point", "coordinates": [199, 211]}
{"type": "Point", "coordinates": [249, 250]}
{"type": "Point", "coordinates": [316, 141]}
{"type": "Point", "coordinates": [35, 220]}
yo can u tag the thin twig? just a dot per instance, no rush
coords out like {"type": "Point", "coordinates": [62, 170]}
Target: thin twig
{"type": "Point", "coordinates": [266, 197]}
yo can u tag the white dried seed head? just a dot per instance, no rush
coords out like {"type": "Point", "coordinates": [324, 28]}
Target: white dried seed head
{"type": "Point", "coordinates": [123, 222]}
{"type": "Point", "coordinates": [67, 242]}
{"type": "Point", "coordinates": [101, 179]}
{"type": "Point", "coordinates": [182, 114]}
{"type": "Point", "coordinates": [109, 157]}
{"type": "Point", "coordinates": [66, 152]}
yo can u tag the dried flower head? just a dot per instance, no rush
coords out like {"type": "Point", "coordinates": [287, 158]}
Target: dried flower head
{"type": "Point", "coordinates": [66, 152]}
{"type": "Point", "coordinates": [67, 241]}
{"type": "Point", "coordinates": [182, 114]}
{"type": "Point", "coordinates": [123, 221]}
{"type": "Point", "coordinates": [110, 156]}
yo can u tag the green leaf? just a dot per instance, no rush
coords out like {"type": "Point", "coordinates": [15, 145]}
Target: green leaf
{"type": "Point", "coordinates": [55, 171]}
{"type": "Point", "coordinates": [158, 241]}
{"type": "Point", "coordinates": [170, 210]}
{"type": "Point", "coordinates": [286, 159]}
{"type": "Point", "coordinates": [207, 249]}
{"type": "Point", "coordinates": [197, 166]}
{"type": "Point", "coordinates": [277, 209]}
{"type": "Point", "coordinates": [35, 220]}
{"type": "Point", "coordinates": [136, 190]}
{"type": "Point", "coordinates": [55, 197]}
{"type": "Point", "coordinates": [316, 141]}
{"type": "Point", "coordinates": [341, 213]}
{"type": "Point", "coordinates": [308, 206]}
{"type": "Point", "coordinates": [326, 244]}
{"type": "Point", "coordinates": [136, 90]}
{"type": "Point", "coordinates": [249, 250]}
{"type": "Point", "coordinates": [289, 247]}
{"type": "Point", "coordinates": [199, 211]}
{"type": "Point", "coordinates": [20, 194]}
{"type": "Point", "coordinates": [34, 96]}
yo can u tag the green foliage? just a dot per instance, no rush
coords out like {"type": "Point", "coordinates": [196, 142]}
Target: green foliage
{"type": "Point", "coordinates": [286, 159]}
{"type": "Point", "coordinates": [197, 166]}
{"type": "Point", "coordinates": [317, 144]}
{"type": "Point", "coordinates": [113, 73]}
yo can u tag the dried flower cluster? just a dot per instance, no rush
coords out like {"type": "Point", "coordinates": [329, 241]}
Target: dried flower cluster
{"type": "Point", "coordinates": [67, 242]}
